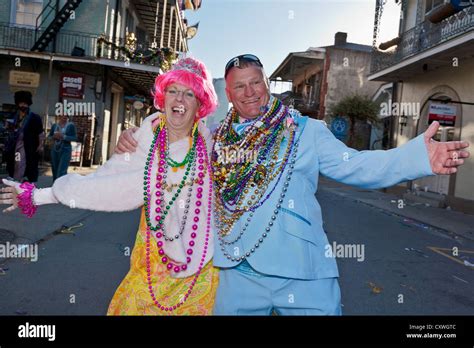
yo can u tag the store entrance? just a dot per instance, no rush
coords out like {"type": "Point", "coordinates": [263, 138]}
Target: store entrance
{"type": "Point", "coordinates": [447, 115]}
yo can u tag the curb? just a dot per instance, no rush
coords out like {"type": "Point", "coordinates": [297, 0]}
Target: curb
{"type": "Point", "coordinates": [410, 219]}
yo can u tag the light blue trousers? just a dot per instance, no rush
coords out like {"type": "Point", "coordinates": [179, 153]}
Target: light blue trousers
{"type": "Point", "coordinates": [244, 291]}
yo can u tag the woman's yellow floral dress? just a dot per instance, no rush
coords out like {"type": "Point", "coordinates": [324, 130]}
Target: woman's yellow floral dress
{"type": "Point", "coordinates": [133, 298]}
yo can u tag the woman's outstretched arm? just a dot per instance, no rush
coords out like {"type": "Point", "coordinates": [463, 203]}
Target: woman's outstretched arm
{"type": "Point", "coordinates": [115, 186]}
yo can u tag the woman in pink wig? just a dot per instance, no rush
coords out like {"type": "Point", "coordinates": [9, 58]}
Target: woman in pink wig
{"type": "Point", "coordinates": [171, 270]}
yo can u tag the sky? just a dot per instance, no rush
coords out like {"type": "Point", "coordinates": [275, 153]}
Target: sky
{"type": "Point", "coordinates": [271, 29]}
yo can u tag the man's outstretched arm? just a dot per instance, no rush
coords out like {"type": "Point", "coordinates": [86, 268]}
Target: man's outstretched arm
{"type": "Point", "coordinates": [421, 156]}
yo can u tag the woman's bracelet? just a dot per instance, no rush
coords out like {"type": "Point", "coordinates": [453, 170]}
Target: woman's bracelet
{"type": "Point", "coordinates": [25, 199]}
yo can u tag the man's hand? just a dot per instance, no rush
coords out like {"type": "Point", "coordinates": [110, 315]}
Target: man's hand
{"type": "Point", "coordinates": [127, 142]}
{"type": "Point", "coordinates": [444, 156]}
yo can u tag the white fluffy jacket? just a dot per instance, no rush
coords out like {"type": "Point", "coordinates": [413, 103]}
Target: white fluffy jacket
{"type": "Point", "coordinates": [118, 186]}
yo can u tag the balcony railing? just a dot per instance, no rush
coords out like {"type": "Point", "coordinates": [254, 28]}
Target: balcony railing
{"type": "Point", "coordinates": [23, 38]}
{"type": "Point", "coordinates": [423, 37]}
{"type": "Point", "coordinates": [71, 43]}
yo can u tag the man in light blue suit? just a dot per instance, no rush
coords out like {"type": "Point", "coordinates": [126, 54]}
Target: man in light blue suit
{"type": "Point", "coordinates": [280, 263]}
{"type": "Point", "coordinates": [274, 256]}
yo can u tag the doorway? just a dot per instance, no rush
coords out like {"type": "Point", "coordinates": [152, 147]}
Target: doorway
{"type": "Point", "coordinates": [115, 121]}
{"type": "Point", "coordinates": [441, 184]}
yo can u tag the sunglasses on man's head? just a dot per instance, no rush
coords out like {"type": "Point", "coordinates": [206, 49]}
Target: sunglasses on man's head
{"type": "Point", "coordinates": [237, 60]}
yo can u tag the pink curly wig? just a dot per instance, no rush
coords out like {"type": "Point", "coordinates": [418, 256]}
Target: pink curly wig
{"type": "Point", "coordinates": [193, 74]}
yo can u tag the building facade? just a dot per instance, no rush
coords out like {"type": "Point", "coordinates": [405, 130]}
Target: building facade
{"type": "Point", "coordinates": [213, 120]}
{"type": "Point", "coordinates": [431, 67]}
{"type": "Point", "coordinates": [322, 76]}
{"type": "Point", "coordinates": [93, 59]}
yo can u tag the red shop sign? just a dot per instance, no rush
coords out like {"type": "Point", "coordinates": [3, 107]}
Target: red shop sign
{"type": "Point", "coordinates": [71, 86]}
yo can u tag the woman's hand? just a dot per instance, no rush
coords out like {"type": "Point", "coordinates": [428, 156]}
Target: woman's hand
{"type": "Point", "coordinates": [9, 194]}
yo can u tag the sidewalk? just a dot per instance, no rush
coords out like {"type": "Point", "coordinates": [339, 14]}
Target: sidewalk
{"type": "Point", "coordinates": [18, 229]}
{"type": "Point", "coordinates": [452, 222]}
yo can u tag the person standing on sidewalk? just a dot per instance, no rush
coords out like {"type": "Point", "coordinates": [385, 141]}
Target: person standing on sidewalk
{"type": "Point", "coordinates": [61, 134]}
{"type": "Point", "coordinates": [25, 140]}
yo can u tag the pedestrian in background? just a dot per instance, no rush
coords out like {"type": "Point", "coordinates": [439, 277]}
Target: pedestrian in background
{"type": "Point", "coordinates": [25, 140]}
{"type": "Point", "coordinates": [61, 133]}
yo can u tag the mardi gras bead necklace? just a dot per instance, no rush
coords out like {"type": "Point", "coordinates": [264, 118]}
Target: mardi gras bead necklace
{"type": "Point", "coordinates": [160, 141]}
{"type": "Point", "coordinates": [228, 229]}
{"type": "Point", "coordinates": [273, 217]}
{"type": "Point", "coordinates": [255, 139]}
{"type": "Point", "coordinates": [161, 174]}
{"type": "Point", "coordinates": [180, 165]}
{"type": "Point", "coordinates": [235, 192]}
{"type": "Point", "coordinates": [171, 186]}
{"type": "Point", "coordinates": [260, 174]}
{"type": "Point", "coordinates": [249, 200]}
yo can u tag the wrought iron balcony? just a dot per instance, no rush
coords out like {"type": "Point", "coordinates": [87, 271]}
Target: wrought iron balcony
{"type": "Point", "coordinates": [424, 36]}
{"type": "Point", "coordinates": [84, 45]}
{"type": "Point", "coordinates": [48, 34]}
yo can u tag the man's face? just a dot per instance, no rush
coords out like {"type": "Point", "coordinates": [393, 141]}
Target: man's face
{"type": "Point", "coordinates": [23, 107]}
{"type": "Point", "coordinates": [247, 90]}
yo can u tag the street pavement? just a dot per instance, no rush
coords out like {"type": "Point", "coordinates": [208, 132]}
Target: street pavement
{"type": "Point", "coordinates": [77, 270]}
{"type": "Point", "coordinates": [408, 265]}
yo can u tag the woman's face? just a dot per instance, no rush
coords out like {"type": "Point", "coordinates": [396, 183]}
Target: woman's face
{"type": "Point", "coordinates": [181, 107]}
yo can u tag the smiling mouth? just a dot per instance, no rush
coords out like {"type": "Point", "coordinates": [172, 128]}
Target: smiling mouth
{"type": "Point", "coordinates": [179, 109]}
{"type": "Point", "coordinates": [251, 101]}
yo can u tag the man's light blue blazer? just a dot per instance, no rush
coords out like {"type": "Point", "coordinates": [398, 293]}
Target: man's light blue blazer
{"type": "Point", "coordinates": [295, 247]}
